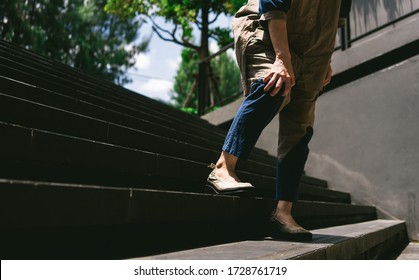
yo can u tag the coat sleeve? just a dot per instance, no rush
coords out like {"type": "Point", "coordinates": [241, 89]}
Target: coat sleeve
{"type": "Point", "coordinates": [273, 9]}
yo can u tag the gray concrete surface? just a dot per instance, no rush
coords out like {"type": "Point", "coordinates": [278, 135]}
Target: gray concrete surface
{"type": "Point", "coordinates": [224, 114]}
{"type": "Point", "coordinates": [368, 15]}
{"type": "Point", "coordinates": [341, 242]}
{"type": "Point", "coordinates": [410, 253]}
{"type": "Point", "coordinates": [367, 141]}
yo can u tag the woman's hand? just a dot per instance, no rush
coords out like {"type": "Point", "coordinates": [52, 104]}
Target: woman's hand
{"type": "Point", "coordinates": [281, 74]}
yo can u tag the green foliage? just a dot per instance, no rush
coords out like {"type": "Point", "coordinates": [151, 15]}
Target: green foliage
{"type": "Point", "coordinates": [185, 79]}
{"type": "Point", "coordinates": [185, 15]}
{"type": "Point", "coordinates": [76, 32]}
{"type": "Point", "coordinates": [190, 110]}
{"type": "Point", "coordinates": [226, 77]}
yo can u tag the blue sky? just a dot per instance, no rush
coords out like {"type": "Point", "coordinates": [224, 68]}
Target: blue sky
{"type": "Point", "coordinates": [154, 71]}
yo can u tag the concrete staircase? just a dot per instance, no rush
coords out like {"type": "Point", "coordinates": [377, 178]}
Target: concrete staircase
{"type": "Point", "coordinates": [91, 170]}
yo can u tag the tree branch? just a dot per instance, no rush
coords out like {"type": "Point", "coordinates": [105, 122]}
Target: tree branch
{"type": "Point", "coordinates": [215, 19]}
{"type": "Point", "coordinates": [172, 35]}
{"type": "Point", "coordinates": [198, 23]}
{"type": "Point", "coordinates": [214, 37]}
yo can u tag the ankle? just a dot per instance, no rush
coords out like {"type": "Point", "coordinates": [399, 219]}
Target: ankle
{"type": "Point", "coordinates": [224, 166]}
{"type": "Point", "coordinates": [282, 216]}
{"type": "Point", "coordinates": [220, 165]}
{"type": "Point", "coordinates": [284, 208]}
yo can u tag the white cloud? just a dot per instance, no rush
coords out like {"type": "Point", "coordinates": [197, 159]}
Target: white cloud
{"type": "Point", "coordinates": [128, 47]}
{"type": "Point", "coordinates": [153, 88]}
{"type": "Point", "coordinates": [142, 61]}
{"type": "Point", "coordinates": [174, 63]}
{"type": "Point", "coordinates": [231, 53]}
{"type": "Point", "coordinates": [213, 47]}
{"type": "Point", "coordinates": [156, 85]}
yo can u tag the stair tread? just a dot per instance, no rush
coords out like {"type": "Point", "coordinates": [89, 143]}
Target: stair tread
{"type": "Point", "coordinates": [123, 203]}
{"type": "Point", "coordinates": [411, 252]}
{"type": "Point", "coordinates": [73, 124]}
{"type": "Point", "coordinates": [84, 154]}
{"type": "Point", "coordinates": [127, 109]}
{"type": "Point", "coordinates": [73, 78]}
{"type": "Point", "coordinates": [325, 243]}
{"type": "Point", "coordinates": [313, 192]}
{"type": "Point", "coordinates": [314, 181]}
{"type": "Point", "coordinates": [42, 106]}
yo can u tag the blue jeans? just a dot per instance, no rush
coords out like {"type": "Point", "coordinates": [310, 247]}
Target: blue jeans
{"type": "Point", "coordinates": [255, 113]}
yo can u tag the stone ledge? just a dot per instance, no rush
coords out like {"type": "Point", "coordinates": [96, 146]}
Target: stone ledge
{"type": "Point", "coordinates": [342, 242]}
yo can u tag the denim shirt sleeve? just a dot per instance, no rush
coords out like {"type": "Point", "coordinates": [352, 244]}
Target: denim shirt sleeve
{"type": "Point", "coordinates": [266, 6]}
{"type": "Point", "coordinates": [273, 9]}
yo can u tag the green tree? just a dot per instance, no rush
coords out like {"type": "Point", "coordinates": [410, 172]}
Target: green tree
{"type": "Point", "coordinates": [184, 16]}
{"type": "Point", "coordinates": [184, 86]}
{"type": "Point", "coordinates": [225, 68]}
{"type": "Point", "coordinates": [76, 32]}
{"type": "Point", "coordinates": [225, 73]}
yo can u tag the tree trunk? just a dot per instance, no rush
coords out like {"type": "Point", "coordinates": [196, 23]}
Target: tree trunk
{"type": "Point", "coordinates": [203, 51]}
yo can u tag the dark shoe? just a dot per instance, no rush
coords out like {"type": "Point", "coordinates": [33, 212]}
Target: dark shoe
{"type": "Point", "coordinates": [288, 232]}
{"type": "Point", "coordinates": [215, 184]}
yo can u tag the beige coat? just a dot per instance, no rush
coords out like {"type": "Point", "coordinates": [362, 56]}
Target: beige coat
{"type": "Point", "coordinates": [312, 26]}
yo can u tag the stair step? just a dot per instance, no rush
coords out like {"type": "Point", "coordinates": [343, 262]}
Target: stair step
{"type": "Point", "coordinates": [62, 157]}
{"type": "Point", "coordinates": [30, 114]}
{"type": "Point", "coordinates": [107, 99]}
{"type": "Point", "coordinates": [39, 210]}
{"type": "Point", "coordinates": [46, 104]}
{"type": "Point", "coordinates": [40, 71]}
{"type": "Point", "coordinates": [28, 92]}
{"type": "Point", "coordinates": [50, 72]}
{"type": "Point", "coordinates": [411, 252]}
{"type": "Point", "coordinates": [314, 181]}
{"type": "Point", "coordinates": [50, 156]}
{"type": "Point", "coordinates": [51, 195]}
{"type": "Point", "coordinates": [316, 193]}
{"type": "Point", "coordinates": [367, 240]}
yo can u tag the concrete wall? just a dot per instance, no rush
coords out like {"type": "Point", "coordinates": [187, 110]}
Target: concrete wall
{"type": "Point", "coordinates": [367, 141]}
{"type": "Point", "coordinates": [367, 15]}
{"type": "Point", "coordinates": [367, 132]}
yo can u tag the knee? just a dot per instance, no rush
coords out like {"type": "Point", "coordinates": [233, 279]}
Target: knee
{"type": "Point", "coordinates": [300, 150]}
{"type": "Point", "coordinates": [307, 137]}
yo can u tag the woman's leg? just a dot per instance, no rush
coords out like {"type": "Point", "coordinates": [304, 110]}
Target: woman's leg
{"type": "Point", "coordinates": [289, 172]}
{"type": "Point", "coordinates": [296, 131]}
{"type": "Point", "coordinates": [255, 113]}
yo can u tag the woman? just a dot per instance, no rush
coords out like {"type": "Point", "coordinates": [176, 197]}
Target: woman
{"type": "Point", "coordinates": [283, 50]}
